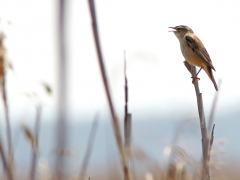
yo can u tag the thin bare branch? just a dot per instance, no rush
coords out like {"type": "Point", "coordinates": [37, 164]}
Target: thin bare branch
{"type": "Point", "coordinates": [125, 89]}
{"type": "Point", "coordinates": [127, 116]}
{"type": "Point", "coordinates": [212, 138]}
{"type": "Point", "coordinates": [127, 175]}
{"type": "Point", "coordinates": [204, 132]}
{"type": "Point", "coordinates": [210, 122]}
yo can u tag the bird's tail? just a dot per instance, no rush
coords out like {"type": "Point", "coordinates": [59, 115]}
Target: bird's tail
{"type": "Point", "coordinates": [210, 75]}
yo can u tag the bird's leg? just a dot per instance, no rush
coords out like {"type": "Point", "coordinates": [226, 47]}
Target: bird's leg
{"type": "Point", "coordinates": [195, 77]}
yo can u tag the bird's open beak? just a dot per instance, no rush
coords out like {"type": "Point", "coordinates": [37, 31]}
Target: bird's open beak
{"type": "Point", "coordinates": [172, 30]}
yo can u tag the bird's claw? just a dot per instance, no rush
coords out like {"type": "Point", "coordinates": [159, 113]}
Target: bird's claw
{"type": "Point", "coordinates": [194, 78]}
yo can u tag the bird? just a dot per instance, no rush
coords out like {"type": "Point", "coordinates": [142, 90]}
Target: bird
{"type": "Point", "coordinates": [194, 51]}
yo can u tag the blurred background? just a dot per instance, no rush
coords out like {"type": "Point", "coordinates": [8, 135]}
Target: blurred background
{"type": "Point", "coordinates": [162, 99]}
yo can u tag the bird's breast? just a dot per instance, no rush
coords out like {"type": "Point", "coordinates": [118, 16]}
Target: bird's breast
{"type": "Point", "coordinates": [190, 56]}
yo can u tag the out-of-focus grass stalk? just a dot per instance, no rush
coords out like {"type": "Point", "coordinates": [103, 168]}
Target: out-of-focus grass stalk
{"type": "Point", "coordinates": [4, 96]}
{"type": "Point", "coordinates": [61, 134]}
{"type": "Point", "coordinates": [6, 166]}
{"type": "Point", "coordinates": [127, 119]}
{"type": "Point", "coordinates": [204, 131]}
{"type": "Point", "coordinates": [35, 144]}
{"type": "Point", "coordinates": [127, 175]}
{"type": "Point", "coordinates": [210, 122]}
{"type": "Point", "coordinates": [89, 148]}
{"type": "Point", "coordinates": [127, 116]}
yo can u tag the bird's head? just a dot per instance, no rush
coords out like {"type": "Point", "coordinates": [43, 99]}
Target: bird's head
{"type": "Point", "coordinates": [180, 30]}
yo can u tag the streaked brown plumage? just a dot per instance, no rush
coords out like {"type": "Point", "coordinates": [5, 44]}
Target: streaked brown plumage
{"type": "Point", "coordinates": [194, 51]}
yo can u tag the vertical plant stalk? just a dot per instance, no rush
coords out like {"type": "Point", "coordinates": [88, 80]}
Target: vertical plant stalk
{"type": "Point", "coordinates": [7, 169]}
{"type": "Point", "coordinates": [89, 148]}
{"type": "Point", "coordinates": [127, 175]}
{"type": "Point", "coordinates": [204, 132]}
{"type": "Point", "coordinates": [35, 145]}
{"type": "Point", "coordinates": [211, 140]}
{"type": "Point", "coordinates": [3, 91]}
{"type": "Point", "coordinates": [127, 116]}
{"type": "Point", "coordinates": [211, 126]}
{"type": "Point", "coordinates": [210, 122]}
{"type": "Point", "coordinates": [61, 134]}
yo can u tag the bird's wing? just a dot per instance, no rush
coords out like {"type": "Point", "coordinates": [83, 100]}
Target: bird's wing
{"type": "Point", "coordinates": [201, 52]}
